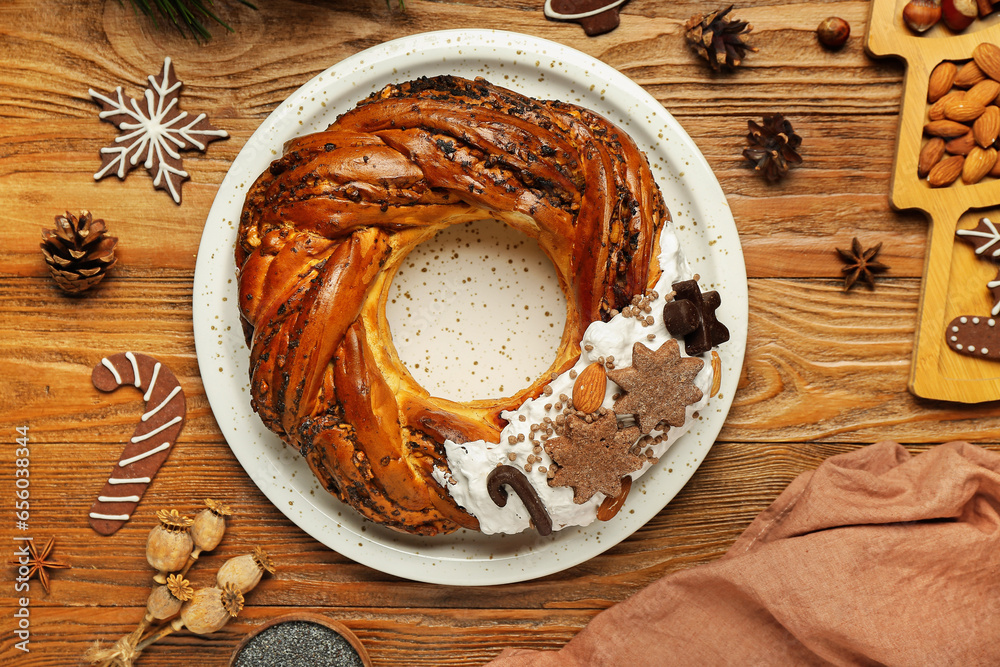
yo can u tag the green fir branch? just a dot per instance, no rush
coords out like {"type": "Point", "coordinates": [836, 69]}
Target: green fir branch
{"type": "Point", "coordinates": [186, 15]}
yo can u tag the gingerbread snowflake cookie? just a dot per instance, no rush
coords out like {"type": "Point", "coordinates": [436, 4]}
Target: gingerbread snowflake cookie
{"type": "Point", "coordinates": [659, 385]}
{"type": "Point", "coordinates": [593, 456]}
{"type": "Point", "coordinates": [153, 132]}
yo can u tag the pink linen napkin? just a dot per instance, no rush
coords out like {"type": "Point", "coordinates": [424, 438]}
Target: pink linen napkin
{"type": "Point", "coordinates": [875, 558]}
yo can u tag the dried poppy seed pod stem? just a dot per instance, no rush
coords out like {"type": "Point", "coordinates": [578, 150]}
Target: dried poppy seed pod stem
{"type": "Point", "coordinates": [165, 601]}
{"type": "Point", "coordinates": [206, 612]}
{"type": "Point", "coordinates": [245, 572]}
{"type": "Point", "coordinates": [169, 544]}
{"type": "Point", "coordinates": [207, 530]}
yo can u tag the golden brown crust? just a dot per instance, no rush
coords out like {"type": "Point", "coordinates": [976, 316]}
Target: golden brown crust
{"type": "Point", "coordinates": [325, 228]}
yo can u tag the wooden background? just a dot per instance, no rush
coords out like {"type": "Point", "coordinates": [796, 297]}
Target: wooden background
{"type": "Point", "coordinates": [825, 371]}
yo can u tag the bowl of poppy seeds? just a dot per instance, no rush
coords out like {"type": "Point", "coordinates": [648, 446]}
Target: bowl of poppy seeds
{"type": "Point", "coordinates": [301, 640]}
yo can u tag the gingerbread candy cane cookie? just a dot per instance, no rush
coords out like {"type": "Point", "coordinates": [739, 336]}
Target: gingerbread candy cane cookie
{"type": "Point", "coordinates": [152, 441]}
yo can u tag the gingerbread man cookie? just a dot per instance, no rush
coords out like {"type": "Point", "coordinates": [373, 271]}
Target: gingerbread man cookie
{"type": "Point", "coordinates": [596, 16]}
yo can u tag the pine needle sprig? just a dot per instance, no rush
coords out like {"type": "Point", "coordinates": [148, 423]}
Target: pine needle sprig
{"type": "Point", "coordinates": [189, 14]}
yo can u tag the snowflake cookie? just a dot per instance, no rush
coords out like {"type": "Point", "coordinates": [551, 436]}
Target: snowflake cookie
{"type": "Point", "coordinates": [153, 131]}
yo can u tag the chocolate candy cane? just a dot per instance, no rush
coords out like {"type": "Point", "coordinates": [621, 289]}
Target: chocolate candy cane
{"type": "Point", "coordinates": [152, 441]}
{"type": "Point", "coordinates": [516, 480]}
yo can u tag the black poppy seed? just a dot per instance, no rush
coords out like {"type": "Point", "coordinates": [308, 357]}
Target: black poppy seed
{"type": "Point", "coordinates": [298, 643]}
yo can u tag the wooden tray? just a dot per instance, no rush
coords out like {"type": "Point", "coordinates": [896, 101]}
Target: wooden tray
{"type": "Point", "coordinates": [954, 280]}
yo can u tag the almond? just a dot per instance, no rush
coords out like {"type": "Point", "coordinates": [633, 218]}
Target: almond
{"type": "Point", "coordinates": [977, 164]}
{"type": "Point", "coordinates": [983, 92]}
{"type": "Point", "coordinates": [960, 145]}
{"type": "Point", "coordinates": [968, 75]}
{"type": "Point", "coordinates": [936, 111]}
{"type": "Point", "coordinates": [611, 505]}
{"type": "Point", "coordinates": [963, 111]}
{"type": "Point", "coordinates": [946, 171]}
{"type": "Point", "coordinates": [987, 57]}
{"type": "Point", "coordinates": [945, 128]}
{"type": "Point", "coordinates": [930, 155]}
{"type": "Point", "coordinates": [590, 387]}
{"type": "Point", "coordinates": [995, 171]}
{"type": "Point", "coordinates": [716, 373]}
{"type": "Point", "coordinates": [987, 127]}
{"type": "Point", "coordinates": [941, 80]}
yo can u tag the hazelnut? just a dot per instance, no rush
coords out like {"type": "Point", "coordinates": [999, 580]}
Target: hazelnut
{"type": "Point", "coordinates": [922, 15]}
{"type": "Point", "coordinates": [833, 32]}
{"type": "Point", "coordinates": [959, 14]}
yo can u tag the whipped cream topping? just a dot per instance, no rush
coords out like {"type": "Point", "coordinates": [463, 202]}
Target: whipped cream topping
{"type": "Point", "coordinates": [470, 463]}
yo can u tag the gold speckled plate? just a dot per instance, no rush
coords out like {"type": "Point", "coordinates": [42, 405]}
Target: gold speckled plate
{"type": "Point", "coordinates": [541, 69]}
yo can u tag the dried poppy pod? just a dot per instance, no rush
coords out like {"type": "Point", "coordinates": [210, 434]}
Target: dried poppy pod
{"type": "Point", "coordinates": [208, 610]}
{"type": "Point", "coordinates": [207, 530]}
{"type": "Point", "coordinates": [211, 608]}
{"type": "Point", "coordinates": [169, 544]}
{"type": "Point", "coordinates": [166, 601]}
{"type": "Point", "coordinates": [245, 572]}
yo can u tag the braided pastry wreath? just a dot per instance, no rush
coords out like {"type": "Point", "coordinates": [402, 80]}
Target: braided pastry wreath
{"type": "Point", "coordinates": [325, 228]}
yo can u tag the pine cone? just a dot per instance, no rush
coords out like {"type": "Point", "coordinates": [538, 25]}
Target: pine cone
{"type": "Point", "coordinates": [78, 251]}
{"type": "Point", "coordinates": [772, 147]}
{"type": "Point", "coordinates": [719, 40]}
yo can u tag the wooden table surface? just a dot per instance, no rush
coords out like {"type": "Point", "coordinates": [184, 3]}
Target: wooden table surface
{"type": "Point", "coordinates": [825, 370]}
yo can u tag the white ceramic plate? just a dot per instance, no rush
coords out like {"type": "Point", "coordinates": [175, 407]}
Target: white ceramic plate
{"type": "Point", "coordinates": [541, 69]}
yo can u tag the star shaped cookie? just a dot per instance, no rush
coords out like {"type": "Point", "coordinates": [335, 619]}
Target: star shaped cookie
{"type": "Point", "coordinates": [593, 457]}
{"type": "Point", "coordinates": [659, 385]}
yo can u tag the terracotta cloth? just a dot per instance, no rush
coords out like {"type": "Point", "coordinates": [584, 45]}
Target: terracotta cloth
{"type": "Point", "coordinates": [876, 557]}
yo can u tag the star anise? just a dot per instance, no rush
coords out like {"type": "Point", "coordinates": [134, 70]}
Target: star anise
{"type": "Point", "coordinates": [718, 39]}
{"type": "Point", "coordinates": [38, 563]}
{"type": "Point", "coordinates": [772, 147]}
{"type": "Point", "coordinates": [860, 264]}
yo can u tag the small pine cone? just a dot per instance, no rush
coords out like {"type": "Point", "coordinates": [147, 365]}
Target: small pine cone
{"type": "Point", "coordinates": [718, 39]}
{"type": "Point", "coordinates": [773, 146]}
{"type": "Point", "coordinates": [78, 251]}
